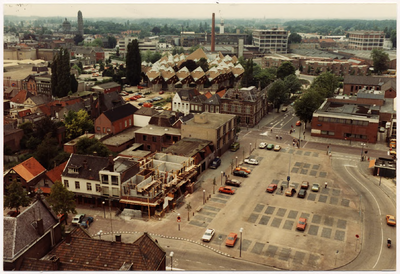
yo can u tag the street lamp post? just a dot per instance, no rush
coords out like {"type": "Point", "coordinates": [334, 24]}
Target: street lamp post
{"type": "Point", "coordinates": [288, 176]}
{"type": "Point", "coordinates": [362, 151]}
{"type": "Point", "coordinates": [222, 174]}
{"type": "Point", "coordinates": [241, 231]}
{"type": "Point", "coordinates": [236, 162]}
{"type": "Point", "coordinates": [204, 196]}
{"type": "Point", "coordinates": [171, 255]}
{"type": "Point", "coordinates": [250, 150]}
{"type": "Point", "coordinates": [104, 209]}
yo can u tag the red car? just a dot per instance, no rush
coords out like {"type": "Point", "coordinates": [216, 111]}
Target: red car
{"type": "Point", "coordinates": [133, 98]}
{"type": "Point", "coordinates": [301, 225]}
{"type": "Point", "coordinates": [161, 92]}
{"type": "Point", "coordinates": [231, 240]}
{"type": "Point", "coordinates": [271, 188]}
{"type": "Point", "coordinates": [227, 190]}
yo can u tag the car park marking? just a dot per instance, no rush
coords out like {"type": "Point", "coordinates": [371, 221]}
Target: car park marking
{"type": "Point", "coordinates": [380, 213]}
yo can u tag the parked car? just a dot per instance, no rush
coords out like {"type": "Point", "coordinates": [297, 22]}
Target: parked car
{"type": "Point", "coordinates": [390, 220]}
{"type": "Point", "coordinates": [277, 148]}
{"type": "Point", "coordinates": [243, 168]}
{"type": "Point", "coordinates": [305, 185]}
{"type": "Point", "coordinates": [77, 219]}
{"type": "Point", "coordinates": [270, 146]}
{"type": "Point", "coordinates": [271, 188]}
{"type": "Point", "coordinates": [233, 182]}
{"type": "Point", "coordinates": [161, 92]}
{"type": "Point", "coordinates": [315, 187]}
{"type": "Point", "coordinates": [262, 145]}
{"type": "Point", "coordinates": [140, 104]}
{"type": "Point", "coordinates": [302, 193]}
{"type": "Point", "coordinates": [226, 190]}
{"type": "Point", "coordinates": [12, 213]}
{"type": "Point", "coordinates": [61, 217]}
{"type": "Point", "coordinates": [208, 235]}
{"type": "Point", "coordinates": [133, 98]}
{"type": "Point", "coordinates": [251, 161]}
{"type": "Point", "coordinates": [298, 123]}
{"type": "Point", "coordinates": [302, 223]}
{"type": "Point", "coordinates": [240, 173]}
{"type": "Point", "coordinates": [284, 109]}
{"type": "Point", "coordinates": [290, 191]}
{"type": "Point", "coordinates": [231, 240]}
{"type": "Point", "coordinates": [215, 163]}
{"type": "Point", "coordinates": [86, 222]}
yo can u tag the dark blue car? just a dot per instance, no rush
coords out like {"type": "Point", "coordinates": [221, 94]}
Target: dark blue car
{"type": "Point", "coordinates": [86, 222]}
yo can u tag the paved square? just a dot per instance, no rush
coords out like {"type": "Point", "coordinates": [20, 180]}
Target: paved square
{"type": "Point", "coordinates": [253, 218]}
{"type": "Point", "coordinates": [313, 173]}
{"type": "Point", "coordinates": [207, 213]}
{"type": "Point", "coordinates": [313, 230]}
{"type": "Point", "coordinates": [216, 200]}
{"type": "Point", "coordinates": [284, 254]}
{"type": "Point", "coordinates": [326, 232]}
{"type": "Point", "coordinates": [328, 221]}
{"type": "Point", "coordinates": [334, 201]}
{"type": "Point", "coordinates": [299, 152]}
{"type": "Point", "coordinates": [315, 167]}
{"type": "Point", "coordinates": [339, 235]}
{"type": "Point", "coordinates": [211, 208]}
{"type": "Point", "coordinates": [264, 220]}
{"type": "Point", "coordinates": [257, 248]}
{"type": "Point", "coordinates": [313, 260]}
{"type": "Point", "coordinates": [270, 210]}
{"type": "Point", "coordinates": [307, 153]}
{"type": "Point", "coordinates": [275, 181]}
{"type": "Point", "coordinates": [345, 202]}
{"type": "Point", "coordinates": [222, 196]}
{"type": "Point", "coordinates": [245, 244]}
{"type": "Point", "coordinates": [288, 225]}
{"type": "Point", "coordinates": [322, 174]}
{"type": "Point", "coordinates": [325, 190]}
{"type": "Point", "coordinates": [306, 165]}
{"type": "Point", "coordinates": [200, 218]}
{"type": "Point", "coordinates": [304, 171]}
{"type": "Point", "coordinates": [198, 223]}
{"type": "Point", "coordinates": [316, 219]}
{"type": "Point", "coordinates": [293, 214]}
{"type": "Point", "coordinates": [259, 208]}
{"type": "Point", "coordinates": [276, 222]}
{"type": "Point", "coordinates": [298, 164]}
{"type": "Point", "coordinates": [322, 198]}
{"type": "Point", "coordinates": [295, 170]}
{"type": "Point", "coordinates": [305, 215]}
{"type": "Point", "coordinates": [271, 251]}
{"type": "Point", "coordinates": [315, 154]}
{"type": "Point", "coordinates": [311, 196]}
{"type": "Point", "coordinates": [336, 192]}
{"type": "Point", "coordinates": [299, 257]}
{"type": "Point", "coordinates": [281, 212]}
{"type": "Point", "coordinates": [341, 224]}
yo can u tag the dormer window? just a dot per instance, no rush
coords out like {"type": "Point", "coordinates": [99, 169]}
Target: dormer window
{"type": "Point", "coordinates": [73, 170]}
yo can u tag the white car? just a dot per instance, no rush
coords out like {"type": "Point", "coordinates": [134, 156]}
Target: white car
{"type": "Point", "coordinates": [208, 235]}
{"type": "Point", "coordinates": [262, 145]}
{"type": "Point", "coordinates": [277, 147]}
{"type": "Point", "coordinates": [251, 161]}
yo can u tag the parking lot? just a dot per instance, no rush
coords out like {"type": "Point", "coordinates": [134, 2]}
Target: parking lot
{"type": "Point", "coordinates": [269, 219]}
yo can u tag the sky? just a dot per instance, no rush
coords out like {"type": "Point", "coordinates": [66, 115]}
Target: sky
{"type": "Point", "coordinates": [295, 9]}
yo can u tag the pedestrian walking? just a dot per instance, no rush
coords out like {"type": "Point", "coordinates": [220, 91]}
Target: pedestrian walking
{"type": "Point", "coordinates": [271, 129]}
{"type": "Point", "coordinates": [281, 188]}
{"type": "Point", "coordinates": [326, 184]}
{"type": "Point", "coordinates": [290, 131]}
{"type": "Point", "coordinates": [294, 143]}
{"type": "Point", "coordinates": [280, 137]}
{"type": "Point", "coordinates": [294, 130]}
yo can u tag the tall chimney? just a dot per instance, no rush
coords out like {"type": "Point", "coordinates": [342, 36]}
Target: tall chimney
{"type": "Point", "coordinates": [68, 237]}
{"type": "Point", "coordinates": [213, 33]}
{"type": "Point", "coordinates": [221, 28]}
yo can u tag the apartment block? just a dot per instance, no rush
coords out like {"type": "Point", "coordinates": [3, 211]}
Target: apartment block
{"type": "Point", "coordinates": [271, 41]}
{"type": "Point", "coordinates": [366, 40]}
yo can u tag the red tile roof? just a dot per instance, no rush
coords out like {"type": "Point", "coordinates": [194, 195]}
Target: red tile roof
{"type": "Point", "coordinates": [20, 97]}
{"type": "Point", "coordinates": [55, 173]}
{"type": "Point", "coordinates": [29, 169]}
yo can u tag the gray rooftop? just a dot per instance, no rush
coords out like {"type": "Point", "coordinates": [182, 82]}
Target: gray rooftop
{"type": "Point", "coordinates": [159, 131]}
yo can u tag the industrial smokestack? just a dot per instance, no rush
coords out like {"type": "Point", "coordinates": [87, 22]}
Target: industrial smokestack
{"type": "Point", "coordinates": [213, 33]}
{"type": "Point", "coordinates": [221, 28]}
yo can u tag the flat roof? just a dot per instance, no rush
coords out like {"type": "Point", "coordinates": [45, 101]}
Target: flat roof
{"type": "Point", "coordinates": [346, 111]}
{"type": "Point", "coordinates": [213, 120]}
{"type": "Point", "coordinates": [121, 137]}
{"type": "Point", "coordinates": [158, 131]}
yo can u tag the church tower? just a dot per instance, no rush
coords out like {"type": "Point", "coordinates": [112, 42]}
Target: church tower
{"type": "Point", "coordinates": [80, 23]}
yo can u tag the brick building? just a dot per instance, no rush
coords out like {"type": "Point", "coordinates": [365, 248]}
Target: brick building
{"type": "Point", "coordinates": [353, 83]}
{"type": "Point", "coordinates": [366, 40]}
{"type": "Point", "coordinates": [115, 120]}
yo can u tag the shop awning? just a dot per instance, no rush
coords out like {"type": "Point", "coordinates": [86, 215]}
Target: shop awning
{"type": "Point", "coordinates": [372, 163]}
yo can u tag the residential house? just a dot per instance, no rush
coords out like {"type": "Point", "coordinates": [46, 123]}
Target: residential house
{"type": "Point", "coordinates": [37, 100]}
{"type": "Point", "coordinates": [104, 102]}
{"type": "Point", "coordinates": [107, 87]}
{"type": "Point", "coordinates": [87, 55]}
{"type": "Point", "coordinates": [19, 99]}
{"type": "Point", "coordinates": [80, 252]}
{"type": "Point", "coordinates": [10, 92]}
{"type": "Point", "coordinates": [29, 173]}
{"type": "Point", "coordinates": [216, 127]}
{"type": "Point", "coordinates": [39, 83]}
{"type": "Point", "coordinates": [51, 177]}
{"type": "Point", "coordinates": [353, 83]}
{"type": "Point", "coordinates": [115, 120]}
{"type": "Point", "coordinates": [32, 234]}
{"type": "Point", "coordinates": [143, 115]}
{"type": "Point", "coordinates": [188, 100]}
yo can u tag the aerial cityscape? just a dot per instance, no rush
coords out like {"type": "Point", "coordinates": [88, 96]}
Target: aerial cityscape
{"type": "Point", "coordinates": [199, 137]}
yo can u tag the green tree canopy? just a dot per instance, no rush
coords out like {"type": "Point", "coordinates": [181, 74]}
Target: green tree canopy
{"type": "Point", "coordinates": [89, 146]}
{"type": "Point", "coordinates": [133, 63]}
{"type": "Point", "coordinates": [277, 93]}
{"type": "Point", "coordinates": [77, 123]}
{"type": "Point", "coordinates": [285, 69]}
{"type": "Point", "coordinates": [326, 84]}
{"type": "Point", "coordinates": [264, 77]}
{"type": "Point", "coordinates": [189, 64]}
{"type": "Point", "coordinates": [292, 83]}
{"type": "Point", "coordinates": [294, 38]}
{"type": "Point", "coordinates": [60, 74]}
{"type": "Point", "coordinates": [16, 196]}
{"type": "Point", "coordinates": [203, 63]}
{"type": "Point", "coordinates": [380, 59]}
{"type": "Point", "coordinates": [305, 106]}
{"type": "Point", "coordinates": [112, 42]}
{"type": "Point", "coordinates": [61, 199]}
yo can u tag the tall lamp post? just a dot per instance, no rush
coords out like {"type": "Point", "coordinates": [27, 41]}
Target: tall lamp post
{"type": "Point", "coordinates": [236, 162]}
{"type": "Point", "coordinates": [362, 151]}
{"type": "Point", "coordinates": [171, 255]}
{"type": "Point", "coordinates": [241, 231]}
{"type": "Point", "coordinates": [288, 176]}
{"type": "Point", "coordinates": [222, 174]}
{"type": "Point", "coordinates": [204, 196]}
{"type": "Point", "coordinates": [250, 150]}
{"type": "Point", "coordinates": [104, 209]}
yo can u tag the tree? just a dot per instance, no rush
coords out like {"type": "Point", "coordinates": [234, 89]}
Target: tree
{"type": "Point", "coordinates": [277, 94]}
{"type": "Point", "coordinates": [74, 84]}
{"type": "Point", "coordinates": [326, 84]}
{"type": "Point", "coordinates": [292, 83]}
{"type": "Point", "coordinates": [77, 39]}
{"type": "Point", "coordinates": [393, 38]}
{"type": "Point", "coordinates": [285, 69]}
{"type": "Point", "coordinates": [77, 123]}
{"type": "Point", "coordinates": [203, 63]}
{"type": "Point", "coordinates": [294, 38]}
{"type": "Point", "coordinates": [188, 207]}
{"type": "Point", "coordinates": [265, 77]}
{"type": "Point", "coordinates": [248, 76]}
{"type": "Point", "coordinates": [93, 146]}
{"type": "Point", "coordinates": [306, 105]}
{"type": "Point", "coordinates": [189, 64]}
{"type": "Point", "coordinates": [46, 151]}
{"type": "Point", "coordinates": [112, 42]}
{"type": "Point", "coordinates": [133, 63]}
{"type": "Point", "coordinates": [380, 60]}
{"type": "Point", "coordinates": [156, 30]}
{"type": "Point", "coordinates": [60, 74]}
{"type": "Point", "coordinates": [16, 196]}
{"type": "Point", "coordinates": [62, 200]}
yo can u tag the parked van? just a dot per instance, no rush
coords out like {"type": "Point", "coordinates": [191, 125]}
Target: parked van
{"type": "Point", "coordinates": [215, 163]}
{"type": "Point", "coordinates": [235, 146]}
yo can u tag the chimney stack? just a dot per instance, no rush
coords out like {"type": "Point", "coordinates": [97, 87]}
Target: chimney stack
{"type": "Point", "coordinates": [68, 237]}
{"type": "Point", "coordinates": [40, 227]}
{"type": "Point", "coordinates": [213, 33]}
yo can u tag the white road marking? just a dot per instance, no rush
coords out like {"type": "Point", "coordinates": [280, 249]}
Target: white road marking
{"type": "Point", "coordinates": [380, 213]}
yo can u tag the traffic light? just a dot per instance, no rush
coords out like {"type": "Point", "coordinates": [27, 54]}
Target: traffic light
{"type": "Point", "coordinates": [178, 218]}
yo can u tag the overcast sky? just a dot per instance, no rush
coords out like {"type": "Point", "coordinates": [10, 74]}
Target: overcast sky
{"type": "Point", "coordinates": [385, 9]}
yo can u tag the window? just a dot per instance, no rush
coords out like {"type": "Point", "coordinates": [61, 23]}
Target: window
{"type": "Point", "coordinates": [154, 139]}
{"type": "Point", "coordinates": [104, 130]}
{"type": "Point", "coordinates": [18, 179]}
{"type": "Point", "coordinates": [89, 186]}
{"type": "Point", "coordinates": [144, 137]}
{"type": "Point", "coordinates": [77, 185]}
{"type": "Point", "coordinates": [225, 107]}
{"type": "Point", "coordinates": [126, 123]}
{"type": "Point", "coordinates": [114, 180]}
{"type": "Point", "coordinates": [98, 188]}
{"type": "Point", "coordinates": [239, 108]}
{"type": "Point", "coordinates": [104, 179]}
{"type": "Point", "coordinates": [98, 128]}
{"type": "Point", "coordinates": [66, 184]}
{"type": "Point", "coordinates": [10, 179]}
{"type": "Point", "coordinates": [130, 122]}
{"type": "Point", "coordinates": [248, 109]}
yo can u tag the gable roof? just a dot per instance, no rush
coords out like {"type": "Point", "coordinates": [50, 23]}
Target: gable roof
{"type": "Point", "coordinates": [40, 99]}
{"type": "Point", "coordinates": [21, 97]}
{"type": "Point", "coordinates": [146, 111]}
{"type": "Point", "coordinates": [29, 169]}
{"type": "Point", "coordinates": [389, 85]}
{"type": "Point", "coordinates": [365, 80]}
{"type": "Point", "coordinates": [55, 173]}
{"type": "Point", "coordinates": [120, 112]}
{"type": "Point", "coordinates": [86, 253]}
{"type": "Point", "coordinates": [88, 166]}
{"type": "Point", "coordinates": [19, 234]}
